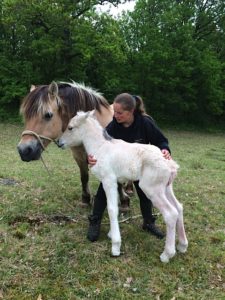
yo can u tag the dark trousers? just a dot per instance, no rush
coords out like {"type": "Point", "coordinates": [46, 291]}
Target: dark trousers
{"type": "Point", "coordinates": [100, 203]}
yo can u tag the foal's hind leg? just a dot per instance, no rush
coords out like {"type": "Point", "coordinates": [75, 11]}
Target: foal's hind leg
{"type": "Point", "coordinates": [169, 213]}
{"type": "Point", "coordinates": [183, 242]}
{"type": "Point", "coordinates": [80, 156]}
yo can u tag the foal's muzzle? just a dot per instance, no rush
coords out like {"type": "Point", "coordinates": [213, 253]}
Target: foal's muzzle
{"type": "Point", "coordinates": [60, 143]}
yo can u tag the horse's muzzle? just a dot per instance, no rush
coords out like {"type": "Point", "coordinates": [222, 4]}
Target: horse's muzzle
{"type": "Point", "coordinates": [30, 151]}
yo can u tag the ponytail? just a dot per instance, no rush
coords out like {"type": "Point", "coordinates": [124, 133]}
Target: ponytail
{"type": "Point", "coordinates": [140, 108]}
{"type": "Point", "coordinates": [131, 102]}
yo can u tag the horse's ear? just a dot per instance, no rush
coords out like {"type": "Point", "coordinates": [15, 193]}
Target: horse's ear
{"type": "Point", "coordinates": [32, 87]}
{"type": "Point", "coordinates": [53, 89]}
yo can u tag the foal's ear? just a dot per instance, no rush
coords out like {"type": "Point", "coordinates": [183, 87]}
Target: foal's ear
{"type": "Point", "coordinates": [53, 89]}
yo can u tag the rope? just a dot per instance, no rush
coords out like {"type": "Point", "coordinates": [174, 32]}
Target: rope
{"type": "Point", "coordinates": [45, 166]}
{"type": "Point", "coordinates": [39, 137]}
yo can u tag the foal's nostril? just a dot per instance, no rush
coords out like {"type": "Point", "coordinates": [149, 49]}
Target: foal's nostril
{"type": "Point", "coordinates": [60, 144]}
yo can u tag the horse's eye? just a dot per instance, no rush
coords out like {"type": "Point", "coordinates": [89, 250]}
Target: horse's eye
{"type": "Point", "coordinates": [48, 116]}
{"type": "Point", "coordinates": [70, 128]}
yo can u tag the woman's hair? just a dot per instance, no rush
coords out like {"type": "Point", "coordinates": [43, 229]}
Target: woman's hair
{"type": "Point", "coordinates": [129, 102]}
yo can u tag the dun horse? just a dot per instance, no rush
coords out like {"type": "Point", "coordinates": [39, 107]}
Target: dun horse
{"type": "Point", "coordinates": [118, 161]}
{"type": "Point", "coordinates": [47, 110]}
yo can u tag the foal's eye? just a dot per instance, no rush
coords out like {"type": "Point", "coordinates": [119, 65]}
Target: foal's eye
{"type": "Point", "coordinates": [48, 116]}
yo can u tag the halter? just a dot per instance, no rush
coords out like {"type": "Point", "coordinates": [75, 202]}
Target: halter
{"type": "Point", "coordinates": [39, 137]}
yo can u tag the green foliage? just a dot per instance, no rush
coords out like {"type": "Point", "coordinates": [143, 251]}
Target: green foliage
{"type": "Point", "coordinates": [170, 52]}
{"type": "Point", "coordinates": [177, 69]}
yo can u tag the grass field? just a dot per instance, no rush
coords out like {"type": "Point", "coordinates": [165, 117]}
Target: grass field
{"type": "Point", "coordinates": [44, 253]}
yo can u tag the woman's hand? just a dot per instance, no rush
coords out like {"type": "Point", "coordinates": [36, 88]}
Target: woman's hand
{"type": "Point", "coordinates": [166, 154]}
{"type": "Point", "coordinates": [91, 160]}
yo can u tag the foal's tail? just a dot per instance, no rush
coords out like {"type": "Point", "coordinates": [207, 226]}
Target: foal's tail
{"type": "Point", "coordinates": [174, 168]}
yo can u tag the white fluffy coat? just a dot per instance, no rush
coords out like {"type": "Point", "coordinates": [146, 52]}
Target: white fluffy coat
{"type": "Point", "coordinates": [119, 161]}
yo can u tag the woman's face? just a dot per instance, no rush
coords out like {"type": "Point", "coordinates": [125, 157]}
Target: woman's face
{"type": "Point", "coordinates": [121, 115]}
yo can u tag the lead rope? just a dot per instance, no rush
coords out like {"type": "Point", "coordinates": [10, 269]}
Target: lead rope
{"type": "Point", "coordinates": [45, 165]}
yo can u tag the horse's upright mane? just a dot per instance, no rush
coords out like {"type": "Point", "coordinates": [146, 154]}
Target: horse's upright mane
{"type": "Point", "coordinates": [77, 97]}
{"type": "Point", "coordinates": [74, 96]}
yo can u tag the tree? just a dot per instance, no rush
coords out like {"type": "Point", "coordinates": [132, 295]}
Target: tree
{"type": "Point", "coordinates": [177, 73]}
{"type": "Point", "coordinates": [42, 41]}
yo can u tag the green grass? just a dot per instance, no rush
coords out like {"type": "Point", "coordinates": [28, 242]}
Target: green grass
{"type": "Point", "coordinates": [45, 255]}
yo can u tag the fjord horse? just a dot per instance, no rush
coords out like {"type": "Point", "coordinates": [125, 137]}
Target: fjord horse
{"type": "Point", "coordinates": [47, 110]}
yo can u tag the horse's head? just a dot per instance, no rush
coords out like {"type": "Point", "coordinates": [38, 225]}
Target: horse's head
{"type": "Point", "coordinates": [42, 111]}
{"type": "Point", "coordinates": [73, 134]}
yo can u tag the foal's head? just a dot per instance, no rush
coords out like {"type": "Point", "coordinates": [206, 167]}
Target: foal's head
{"type": "Point", "coordinates": [73, 136]}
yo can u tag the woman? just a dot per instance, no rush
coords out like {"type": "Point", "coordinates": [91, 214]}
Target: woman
{"type": "Point", "coordinates": [133, 125]}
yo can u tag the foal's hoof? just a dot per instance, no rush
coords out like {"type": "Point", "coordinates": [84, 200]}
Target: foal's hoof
{"type": "Point", "coordinates": [182, 248]}
{"type": "Point", "coordinates": [116, 248]}
{"type": "Point", "coordinates": [165, 257]}
{"type": "Point", "coordinates": [115, 253]}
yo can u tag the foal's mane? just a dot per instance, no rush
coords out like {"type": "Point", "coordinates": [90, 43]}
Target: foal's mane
{"type": "Point", "coordinates": [73, 97]}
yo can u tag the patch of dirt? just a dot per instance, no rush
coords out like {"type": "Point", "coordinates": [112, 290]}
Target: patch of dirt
{"type": "Point", "coordinates": [8, 181]}
{"type": "Point", "coordinates": [38, 220]}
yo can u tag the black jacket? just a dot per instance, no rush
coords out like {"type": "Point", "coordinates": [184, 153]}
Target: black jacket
{"type": "Point", "coordinates": [143, 130]}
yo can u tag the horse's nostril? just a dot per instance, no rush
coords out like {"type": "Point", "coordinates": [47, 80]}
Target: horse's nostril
{"type": "Point", "coordinates": [29, 152]}
{"type": "Point", "coordinates": [24, 151]}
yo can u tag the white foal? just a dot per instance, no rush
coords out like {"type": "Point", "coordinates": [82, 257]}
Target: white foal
{"type": "Point", "coordinates": [118, 161]}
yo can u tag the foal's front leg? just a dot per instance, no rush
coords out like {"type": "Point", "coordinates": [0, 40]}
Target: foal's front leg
{"type": "Point", "coordinates": [110, 187]}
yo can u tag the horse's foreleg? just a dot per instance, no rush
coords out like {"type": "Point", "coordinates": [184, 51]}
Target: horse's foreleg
{"type": "Point", "coordinates": [124, 199]}
{"type": "Point", "coordinates": [110, 187]}
{"type": "Point", "coordinates": [183, 242]}
{"type": "Point", "coordinates": [80, 157]}
{"type": "Point", "coordinates": [129, 188]}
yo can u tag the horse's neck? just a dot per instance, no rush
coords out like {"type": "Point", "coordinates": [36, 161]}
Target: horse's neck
{"type": "Point", "coordinates": [105, 116]}
{"type": "Point", "coordinates": [93, 137]}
